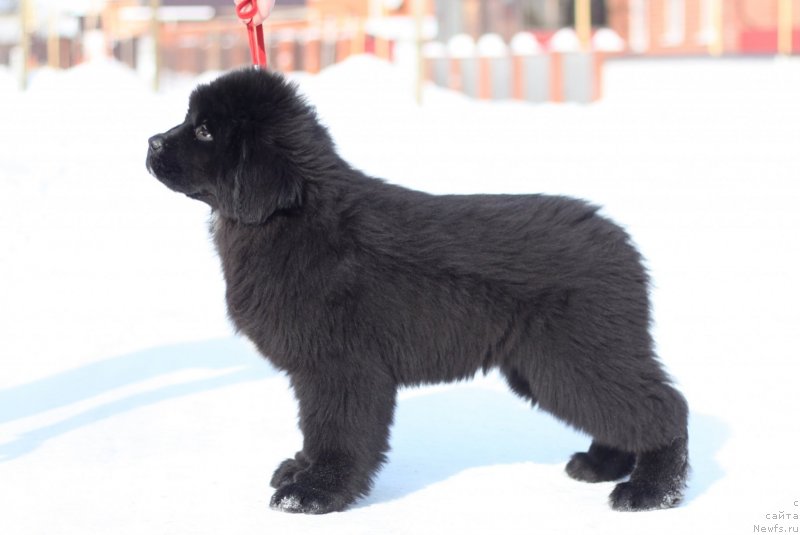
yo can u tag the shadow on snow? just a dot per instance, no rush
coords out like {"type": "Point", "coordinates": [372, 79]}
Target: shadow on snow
{"type": "Point", "coordinates": [439, 435]}
{"type": "Point", "coordinates": [234, 358]}
{"type": "Point", "coordinates": [436, 435]}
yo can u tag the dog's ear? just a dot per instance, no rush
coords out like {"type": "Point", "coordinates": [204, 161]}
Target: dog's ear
{"type": "Point", "coordinates": [263, 183]}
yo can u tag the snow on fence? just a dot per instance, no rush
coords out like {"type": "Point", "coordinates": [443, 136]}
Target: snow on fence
{"type": "Point", "coordinates": [522, 69]}
{"type": "Point", "coordinates": [489, 68]}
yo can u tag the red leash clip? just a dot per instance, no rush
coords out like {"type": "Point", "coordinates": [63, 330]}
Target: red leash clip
{"type": "Point", "coordinates": [255, 32]}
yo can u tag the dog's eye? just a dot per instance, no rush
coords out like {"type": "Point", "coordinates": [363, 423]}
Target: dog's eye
{"type": "Point", "coordinates": [202, 133]}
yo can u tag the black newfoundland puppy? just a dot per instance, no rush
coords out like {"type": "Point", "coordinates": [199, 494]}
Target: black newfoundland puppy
{"type": "Point", "coordinates": [355, 287]}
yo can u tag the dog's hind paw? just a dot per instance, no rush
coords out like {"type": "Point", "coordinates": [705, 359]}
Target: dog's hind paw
{"type": "Point", "coordinates": [636, 496]}
{"type": "Point", "coordinates": [298, 498]}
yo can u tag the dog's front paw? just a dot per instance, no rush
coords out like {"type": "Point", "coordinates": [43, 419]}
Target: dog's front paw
{"type": "Point", "coordinates": [299, 498]}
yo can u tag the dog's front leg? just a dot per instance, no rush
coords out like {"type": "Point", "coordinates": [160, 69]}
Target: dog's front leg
{"type": "Point", "coordinates": [345, 414]}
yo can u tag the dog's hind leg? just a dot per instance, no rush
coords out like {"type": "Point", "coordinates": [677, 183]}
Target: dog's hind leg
{"type": "Point", "coordinates": [650, 438]}
{"type": "Point", "coordinates": [642, 429]}
{"type": "Point", "coordinates": [657, 482]}
{"type": "Point", "coordinates": [600, 463]}
{"type": "Point", "coordinates": [595, 369]}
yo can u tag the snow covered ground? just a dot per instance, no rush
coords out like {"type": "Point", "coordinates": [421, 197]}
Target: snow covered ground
{"type": "Point", "coordinates": [127, 405]}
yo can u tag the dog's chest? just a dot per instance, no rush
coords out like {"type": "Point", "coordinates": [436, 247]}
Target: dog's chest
{"type": "Point", "coordinates": [264, 289]}
{"type": "Point", "coordinates": [247, 264]}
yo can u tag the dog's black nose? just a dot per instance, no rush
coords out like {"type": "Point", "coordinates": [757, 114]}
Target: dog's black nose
{"type": "Point", "coordinates": [156, 142]}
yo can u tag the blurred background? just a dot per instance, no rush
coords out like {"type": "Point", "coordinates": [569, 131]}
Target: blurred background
{"type": "Point", "coordinates": [127, 404]}
{"type": "Point", "coordinates": [528, 49]}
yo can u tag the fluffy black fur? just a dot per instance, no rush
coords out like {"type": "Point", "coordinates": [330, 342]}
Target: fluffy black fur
{"type": "Point", "coordinates": [355, 287]}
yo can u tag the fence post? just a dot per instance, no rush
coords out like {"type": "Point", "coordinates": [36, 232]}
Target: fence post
{"type": "Point", "coordinates": [785, 27]}
{"type": "Point", "coordinates": [312, 50]}
{"type": "Point", "coordinates": [437, 62]}
{"type": "Point", "coordinates": [358, 36]}
{"type": "Point", "coordinates": [579, 77]}
{"type": "Point", "coordinates": [564, 42]}
{"type": "Point", "coordinates": [328, 45]}
{"type": "Point", "coordinates": [284, 56]}
{"type": "Point", "coordinates": [463, 64]}
{"type": "Point", "coordinates": [24, 42]}
{"type": "Point", "coordinates": [494, 63]}
{"type": "Point", "coordinates": [531, 69]}
{"type": "Point", "coordinates": [605, 42]}
{"type": "Point", "coordinates": [577, 73]}
{"type": "Point", "coordinates": [583, 22]}
{"type": "Point", "coordinates": [53, 39]}
{"type": "Point", "coordinates": [344, 40]}
{"type": "Point", "coordinates": [155, 36]}
{"type": "Point", "coordinates": [716, 45]}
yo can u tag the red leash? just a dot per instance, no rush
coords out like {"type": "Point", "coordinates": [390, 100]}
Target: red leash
{"type": "Point", "coordinates": [255, 32]}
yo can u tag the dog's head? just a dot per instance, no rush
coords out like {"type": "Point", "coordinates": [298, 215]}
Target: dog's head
{"type": "Point", "coordinates": [247, 147]}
